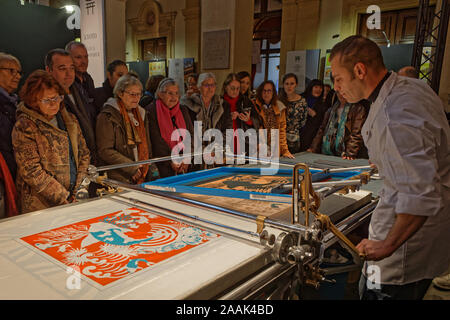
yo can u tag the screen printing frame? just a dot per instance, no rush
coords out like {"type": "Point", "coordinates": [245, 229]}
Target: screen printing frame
{"type": "Point", "coordinates": [186, 183]}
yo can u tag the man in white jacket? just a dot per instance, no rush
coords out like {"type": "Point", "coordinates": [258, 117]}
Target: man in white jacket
{"type": "Point", "coordinates": [408, 139]}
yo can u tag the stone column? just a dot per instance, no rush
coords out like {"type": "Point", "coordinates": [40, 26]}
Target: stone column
{"type": "Point", "coordinates": [192, 14]}
{"type": "Point", "coordinates": [115, 30]}
{"type": "Point", "coordinates": [244, 34]}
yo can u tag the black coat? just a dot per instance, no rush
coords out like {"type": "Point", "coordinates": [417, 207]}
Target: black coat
{"type": "Point", "coordinates": [102, 94]}
{"type": "Point", "coordinates": [309, 131]}
{"type": "Point", "coordinates": [244, 103]}
{"type": "Point", "coordinates": [86, 116]}
{"type": "Point", "coordinates": [7, 121]}
{"type": "Point", "coordinates": [160, 148]}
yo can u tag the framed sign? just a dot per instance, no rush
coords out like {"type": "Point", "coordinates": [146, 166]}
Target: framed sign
{"type": "Point", "coordinates": [216, 49]}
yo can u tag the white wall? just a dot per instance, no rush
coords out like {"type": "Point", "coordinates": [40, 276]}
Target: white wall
{"type": "Point", "coordinates": [329, 24]}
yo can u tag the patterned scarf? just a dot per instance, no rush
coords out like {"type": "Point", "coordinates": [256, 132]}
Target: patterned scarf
{"type": "Point", "coordinates": [136, 135]}
{"type": "Point", "coordinates": [333, 139]}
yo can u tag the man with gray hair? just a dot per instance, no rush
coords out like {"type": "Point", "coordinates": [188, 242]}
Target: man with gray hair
{"type": "Point", "coordinates": [80, 58]}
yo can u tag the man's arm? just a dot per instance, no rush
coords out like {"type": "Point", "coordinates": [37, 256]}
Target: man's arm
{"type": "Point", "coordinates": [405, 226]}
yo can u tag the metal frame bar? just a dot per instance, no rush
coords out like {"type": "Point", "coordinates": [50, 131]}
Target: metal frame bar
{"type": "Point", "coordinates": [437, 43]}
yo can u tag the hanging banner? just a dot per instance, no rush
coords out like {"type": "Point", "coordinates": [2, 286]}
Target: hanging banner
{"type": "Point", "coordinates": [92, 36]}
{"type": "Point", "coordinates": [296, 63]}
{"type": "Point", "coordinates": [176, 72]}
{"type": "Point", "coordinates": [327, 70]}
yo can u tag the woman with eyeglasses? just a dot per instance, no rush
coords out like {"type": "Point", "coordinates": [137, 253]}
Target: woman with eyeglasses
{"type": "Point", "coordinates": [208, 109]}
{"type": "Point", "coordinates": [122, 133]}
{"type": "Point", "coordinates": [51, 153]}
{"type": "Point", "coordinates": [169, 123]}
{"type": "Point", "coordinates": [243, 112]}
{"type": "Point", "coordinates": [273, 116]}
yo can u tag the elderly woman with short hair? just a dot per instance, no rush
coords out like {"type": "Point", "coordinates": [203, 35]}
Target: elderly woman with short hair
{"type": "Point", "coordinates": [123, 133]}
{"type": "Point", "coordinates": [51, 153]}
{"type": "Point", "coordinates": [208, 108]}
{"type": "Point", "coordinates": [169, 123]}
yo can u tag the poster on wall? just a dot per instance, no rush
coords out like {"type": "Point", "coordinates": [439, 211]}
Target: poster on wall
{"type": "Point", "coordinates": [176, 72]}
{"type": "Point", "coordinates": [157, 68]}
{"type": "Point", "coordinates": [327, 69]}
{"type": "Point", "coordinates": [92, 36]}
{"type": "Point", "coordinates": [189, 67]}
{"type": "Point", "coordinates": [296, 63]}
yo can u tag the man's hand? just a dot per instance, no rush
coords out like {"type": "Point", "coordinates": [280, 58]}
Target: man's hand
{"type": "Point", "coordinates": [137, 176]}
{"type": "Point", "coordinates": [375, 250]}
{"type": "Point", "coordinates": [234, 115]}
{"type": "Point", "coordinates": [405, 226]}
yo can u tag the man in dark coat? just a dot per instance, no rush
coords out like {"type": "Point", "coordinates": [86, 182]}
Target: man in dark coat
{"type": "Point", "coordinates": [83, 79]}
{"type": "Point", "coordinates": [114, 71]}
{"type": "Point", "coordinates": [10, 74]}
{"type": "Point", "coordinates": [59, 64]}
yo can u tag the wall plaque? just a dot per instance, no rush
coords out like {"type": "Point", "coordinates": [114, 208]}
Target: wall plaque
{"type": "Point", "coordinates": [216, 49]}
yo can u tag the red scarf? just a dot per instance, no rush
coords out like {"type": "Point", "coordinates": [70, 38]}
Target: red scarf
{"type": "Point", "coordinates": [167, 127]}
{"type": "Point", "coordinates": [10, 189]}
{"type": "Point", "coordinates": [233, 108]}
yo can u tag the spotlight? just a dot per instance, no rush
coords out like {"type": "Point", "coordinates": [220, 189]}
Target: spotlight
{"type": "Point", "coordinates": [69, 9]}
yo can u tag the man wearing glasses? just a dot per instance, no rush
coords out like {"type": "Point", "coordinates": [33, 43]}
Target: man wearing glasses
{"type": "Point", "coordinates": [10, 74]}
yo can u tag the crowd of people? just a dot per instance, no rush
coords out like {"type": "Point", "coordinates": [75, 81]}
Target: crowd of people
{"type": "Point", "coordinates": [60, 123]}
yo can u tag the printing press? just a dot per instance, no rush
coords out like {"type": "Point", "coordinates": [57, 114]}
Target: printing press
{"type": "Point", "coordinates": [169, 240]}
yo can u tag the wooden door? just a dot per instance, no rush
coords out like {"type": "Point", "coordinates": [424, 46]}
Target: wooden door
{"type": "Point", "coordinates": [399, 26]}
{"type": "Point", "coordinates": [388, 25]}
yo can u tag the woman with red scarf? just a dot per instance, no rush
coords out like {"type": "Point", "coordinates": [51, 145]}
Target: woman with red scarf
{"type": "Point", "coordinates": [242, 110]}
{"type": "Point", "coordinates": [169, 124]}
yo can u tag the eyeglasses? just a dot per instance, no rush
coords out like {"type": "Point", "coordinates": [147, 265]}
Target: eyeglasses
{"type": "Point", "coordinates": [52, 100]}
{"type": "Point", "coordinates": [234, 88]}
{"type": "Point", "coordinates": [172, 94]}
{"type": "Point", "coordinates": [134, 95]}
{"type": "Point", "coordinates": [209, 85]}
{"type": "Point", "coordinates": [14, 72]}
{"type": "Point", "coordinates": [267, 91]}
